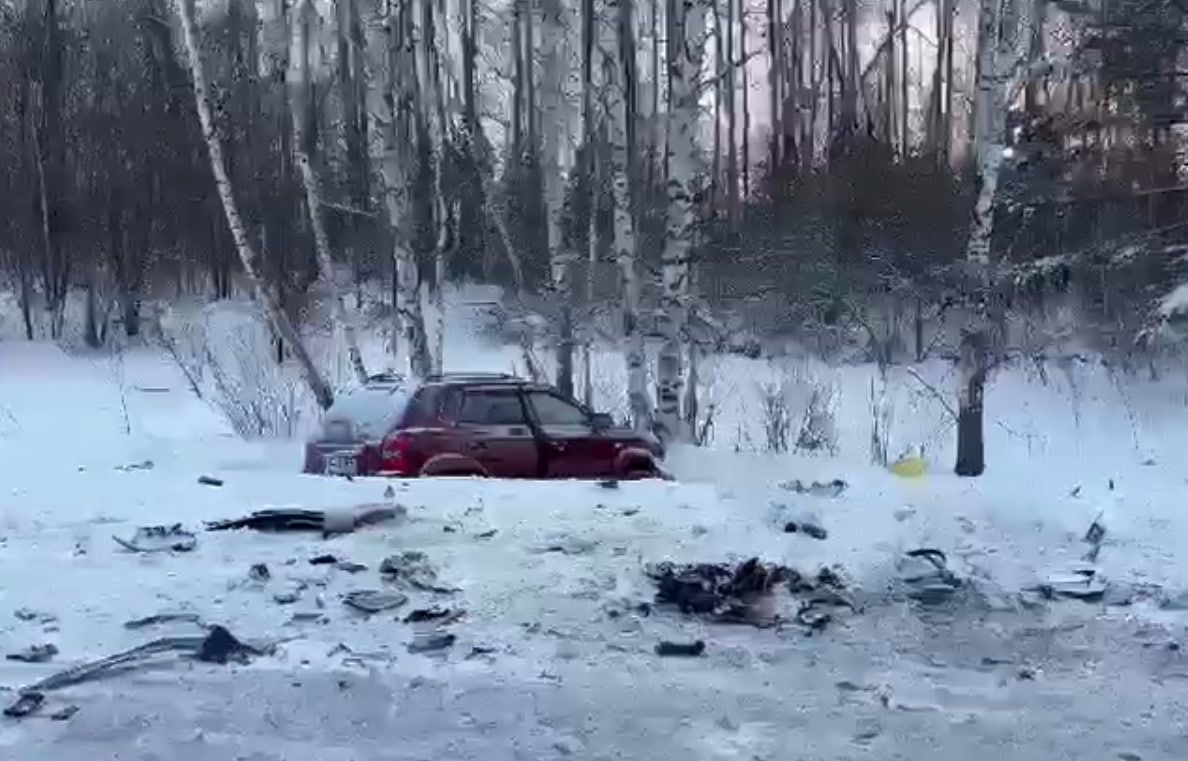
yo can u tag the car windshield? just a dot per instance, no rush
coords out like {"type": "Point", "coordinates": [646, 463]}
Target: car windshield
{"type": "Point", "coordinates": [366, 414]}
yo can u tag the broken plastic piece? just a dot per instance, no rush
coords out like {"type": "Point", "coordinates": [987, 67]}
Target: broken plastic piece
{"type": "Point", "coordinates": [374, 601]}
{"type": "Point", "coordinates": [159, 539]}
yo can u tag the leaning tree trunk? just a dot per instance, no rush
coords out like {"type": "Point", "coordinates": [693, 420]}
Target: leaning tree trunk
{"type": "Point", "coordinates": [247, 255]}
{"type": "Point", "coordinates": [300, 112]}
{"type": "Point", "coordinates": [685, 52]}
{"type": "Point", "coordinates": [995, 57]}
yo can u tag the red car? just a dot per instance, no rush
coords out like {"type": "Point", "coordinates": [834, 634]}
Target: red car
{"type": "Point", "coordinates": [490, 425]}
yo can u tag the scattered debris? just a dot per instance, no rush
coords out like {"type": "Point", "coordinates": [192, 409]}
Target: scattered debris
{"type": "Point", "coordinates": [1084, 585]}
{"type": "Point", "coordinates": [323, 560]}
{"type": "Point", "coordinates": [928, 577]}
{"type": "Point", "coordinates": [27, 703]}
{"type": "Point", "coordinates": [427, 642]}
{"type": "Point", "coordinates": [831, 489]}
{"type": "Point", "coordinates": [142, 465]}
{"type": "Point", "coordinates": [210, 481]}
{"type": "Point", "coordinates": [487, 534]}
{"type": "Point", "coordinates": [569, 545]}
{"type": "Point", "coordinates": [34, 654]}
{"type": "Point", "coordinates": [742, 594]}
{"type": "Point", "coordinates": [442, 615]}
{"type": "Point", "coordinates": [374, 600]}
{"type": "Point", "coordinates": [478, 650]}
{"type": "Point", "coordinates": [808, 529]}
{"type": "Point", "coordinates": [609, 484]}
{"type": "Point", "coordinates": [64, 713]}
{"type": "Point", "coordinates": [28, 614]}
{"type": "Point", "coordinates": [1094, 537]}
{"type": "Point", "coordinates": [221, 646]}
{"type": "Point", "coordinates": [162, 618]}
{"type": "Point", "coordinates": [259, 572]}
{"type": "Point", "coordinates": [159, 539]}
{"type": "Point", "coordinates": [296, 519]}
{"type": "Point", "coordinates": [680, 649]}
{"type": "Point", "coordinates": [286, 598]}
{"type": "Point", "coordinates": [218, 646]}
{"type": "Point", "coordinates": [412, 568]}
{"type": "Point", "coordinates": [1076, 492]}
{"type": "Point", "coordinates": [349, 567]}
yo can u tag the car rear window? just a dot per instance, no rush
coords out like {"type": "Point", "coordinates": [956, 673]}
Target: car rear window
{"type": "Point", "coordinates": [365, 414]}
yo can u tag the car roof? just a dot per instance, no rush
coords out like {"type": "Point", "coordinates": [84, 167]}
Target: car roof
{"type": "Point", "coordinates": [476, 379]}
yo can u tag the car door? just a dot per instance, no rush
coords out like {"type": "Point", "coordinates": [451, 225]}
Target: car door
{"type": "Point", "coordinates": [494, 429]}
{"type": "Point", "coordinates": [571, 447]}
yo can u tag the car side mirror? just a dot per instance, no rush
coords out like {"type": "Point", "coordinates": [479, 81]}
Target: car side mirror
{"type": "Point", "coordinates": [601, 421]}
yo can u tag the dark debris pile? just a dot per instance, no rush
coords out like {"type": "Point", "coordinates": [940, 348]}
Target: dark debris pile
{"type": "Point", "coordinates": [746, 593]}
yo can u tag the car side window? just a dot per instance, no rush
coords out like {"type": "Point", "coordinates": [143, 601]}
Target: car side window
{"type": "Point", "coordinates": [449, 404]}
{"type": "Point", "coordinates": [552, 409]}
{"type": "Point", "coordinates": [491, 408]}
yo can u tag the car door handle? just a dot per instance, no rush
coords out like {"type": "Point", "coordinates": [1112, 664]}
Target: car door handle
{"type": "Point", "coordinates": [557, 446]}
{"type": "Point", "coordinates": [477, 447]}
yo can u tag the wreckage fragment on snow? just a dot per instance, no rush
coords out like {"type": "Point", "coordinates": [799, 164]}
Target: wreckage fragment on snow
{"type": "Point", "coordinates": [742, 594]}
{"type": "Point", "coordinates": [327, 522]}
{"type": "Point", "coordinates": [217, 646]}
{"type": "Point", "coordinates": [829, 489]}
{"type": "Point", "coordinates": [411, 568]}
{"type": "Point", "coordinates": [34, 654]}
{"type": "Point", "coordinates": [926, 575]}
{"type": "Point", "coordinates": [159, 539]}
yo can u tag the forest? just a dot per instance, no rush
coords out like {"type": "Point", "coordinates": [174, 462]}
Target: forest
{"type": "Point", "coordinates": [874, 180]}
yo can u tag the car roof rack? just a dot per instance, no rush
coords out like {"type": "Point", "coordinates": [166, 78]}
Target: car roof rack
{"type": "Point", "coordinates": [462, 377]}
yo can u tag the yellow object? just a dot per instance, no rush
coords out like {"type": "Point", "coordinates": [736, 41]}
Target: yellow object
{"type": "Point", "coordinates": [909, 467]}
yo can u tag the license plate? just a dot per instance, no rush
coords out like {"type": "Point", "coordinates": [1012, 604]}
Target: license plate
{"type": "Point", "coordinates": [340, 465]}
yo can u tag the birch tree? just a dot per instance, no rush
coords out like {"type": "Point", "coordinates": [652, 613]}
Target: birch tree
{"type": "Point", "coordinates": [996, 63]}
{"type": "Point", "coordinates": [247, 254]}
{"type": "Point", "coordinates": [618, 110]}
{"type": "Point", "coordinates": [686, 47]}
{"type": "Point", "coordinates": [299, 106]}
{"type": "Point", "coordinates": [554, 67]}
{"type": "Point", "coordinates": [399, 71]}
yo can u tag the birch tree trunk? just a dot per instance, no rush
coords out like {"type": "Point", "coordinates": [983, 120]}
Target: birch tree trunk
{"type": "Point", "coordinates": [400, 66]}
{"type": "Point", "coordinates": [617, 108]}
{"type": "Point", "coordinates": [554, 70]}
{"type": "Point", "coordinates": [685, 54]}
{"type": "Point", "coordinates": [299, 108]}
{"type": "Point", "coordinates": [591, 178]}
{"type": "Point", "coordinates": [996, 47]}
{"type": "Point", "coordinates": [247, 255]}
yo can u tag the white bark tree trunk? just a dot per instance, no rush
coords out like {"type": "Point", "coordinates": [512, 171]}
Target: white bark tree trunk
{"type": "Point", "coordinates": [615, 92]}
{"type": "Point", "coordinates": [997, 28]}
{"type": "Point", "coordinates": [555, 69]}
{"type": "Point", "coordinates": [299, 108]}
{"type": "Point", "coordinates": [685, 55]}
{"type": "Point", "coordinates": [247, 255]}
{"type": "Point", "coordinates": [410, 318]}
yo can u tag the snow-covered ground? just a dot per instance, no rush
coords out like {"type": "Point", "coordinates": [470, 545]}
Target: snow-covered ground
{"type": "Point", "coordinates": [565, 676]}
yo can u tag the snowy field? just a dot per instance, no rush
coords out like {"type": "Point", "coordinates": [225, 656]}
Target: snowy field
{"type": "Point", "coordinates": [552, 658]}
